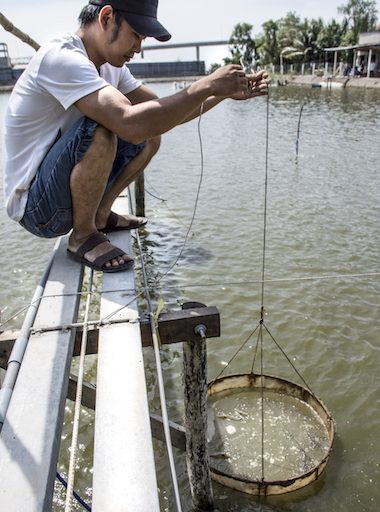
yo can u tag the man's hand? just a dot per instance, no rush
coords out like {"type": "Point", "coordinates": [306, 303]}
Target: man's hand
{"type": "Point", "coordinates": [228, 81]}
{"type": "Point", "coordinates": [257, 86]}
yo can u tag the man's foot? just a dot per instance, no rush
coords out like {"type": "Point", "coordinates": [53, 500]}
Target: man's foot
{"type": "Point", "coordinates": [117, 222]}
{"type": "Point", "coordinates": [98, 253]}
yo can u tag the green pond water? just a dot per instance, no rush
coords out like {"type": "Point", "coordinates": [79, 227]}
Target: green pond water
{"type": "Point", "coordinates": [322, 266]}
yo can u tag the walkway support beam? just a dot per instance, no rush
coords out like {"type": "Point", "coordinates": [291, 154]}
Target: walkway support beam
{"type": "Point", "coordinates": [124, 471]}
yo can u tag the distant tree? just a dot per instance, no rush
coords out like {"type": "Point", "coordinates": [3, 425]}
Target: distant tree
{"type": "Point", "coordinates": [310, 32]}
{"type": "Point", "coordinates": [332, 34]}
{"type": "Point", "coordinates": [242, 45]}
{"type": "Point", "coordinates": [293, 38]}
{"type": "Point", "coordinates": [359, 16]}
{"type": "Point", "coordinates": [268, 46]}
{"type": "Point", "coordinates": [213, 67]}
{"type": "Point", "coordinates": [288, 31]}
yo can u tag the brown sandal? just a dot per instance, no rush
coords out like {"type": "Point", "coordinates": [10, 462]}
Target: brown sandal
{"type": "Point", "coordinates": [113, 219]}
{"type": "Point", "coordinates": [99, 263]}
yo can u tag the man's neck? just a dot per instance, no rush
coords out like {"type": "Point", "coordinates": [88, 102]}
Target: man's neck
{"type": "Point", "coordinates": [90, 43]}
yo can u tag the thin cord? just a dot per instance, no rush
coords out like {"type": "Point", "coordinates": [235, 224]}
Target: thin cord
{"type": "Point", "coordinates": [193, 285]}
{"type": "Point", "coordinates": [265, 210]}
{"type": "Point", "coordinates": [78, 403]}
{"type": "Point", "coordinates": [262, 401]}
{"type": "Point", "coordinates": [196, 198]}
{"type": "Point", "coordinates": [236, 353]}
{"type": "Point", "coordinates": [80, 500]}
{"type": "Point", "coordinates": [298, 128]}
{"type": "Point", "coordinates": [263, 287]}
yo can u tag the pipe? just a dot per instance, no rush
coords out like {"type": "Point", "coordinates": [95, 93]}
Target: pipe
{"type": "Point", "coordinates": [21, 343]}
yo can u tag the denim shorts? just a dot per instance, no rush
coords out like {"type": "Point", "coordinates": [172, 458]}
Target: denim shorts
{"type": "Point", "coordinates": [48, 212]}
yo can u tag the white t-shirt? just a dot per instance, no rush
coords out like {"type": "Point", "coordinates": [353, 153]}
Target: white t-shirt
{"type": "Point", "coordinates": [42, 104]}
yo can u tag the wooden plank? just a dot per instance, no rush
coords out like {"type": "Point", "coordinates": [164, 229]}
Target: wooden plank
{"type": "Point", "coordinates": [8, 338]}
{"type": "Point", "coordinates": [124, 476]}
{"type": "Point", "coordinates": [177, 432]}
{"type": "Point", "coordinates": [30, 438]}
{"type": "Point", "coordinates": [179, 325]}
{"type": "Point", "coordinates": [173, 327]}
{"type": "Point", "coordinates": [88, 392]}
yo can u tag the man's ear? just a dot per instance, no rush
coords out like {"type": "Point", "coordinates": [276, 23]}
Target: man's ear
{"type": "Point", "coordinates": [105, 16]}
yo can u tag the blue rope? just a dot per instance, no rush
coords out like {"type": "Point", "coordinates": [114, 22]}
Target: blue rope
{"type": "Point", "coordinates": [76, 496]}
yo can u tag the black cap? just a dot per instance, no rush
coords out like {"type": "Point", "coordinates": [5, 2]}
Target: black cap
{"type": "Point", "coordinates": [141, 15]}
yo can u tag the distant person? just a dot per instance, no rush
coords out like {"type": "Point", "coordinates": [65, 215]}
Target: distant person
{"type": "Point", "coordinates": [79, 127]}
{"type": "Point", "coordinates": [347, 70]}
{"type": "Point", "coordinates": [372, 68]}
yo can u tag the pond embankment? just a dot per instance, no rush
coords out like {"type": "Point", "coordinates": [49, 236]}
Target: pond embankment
{"type": "Point", "coordinates": [317, 81]}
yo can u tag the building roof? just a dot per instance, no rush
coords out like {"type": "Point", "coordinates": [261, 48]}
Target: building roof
{"type": "Point", "coordinates": [353, 47]}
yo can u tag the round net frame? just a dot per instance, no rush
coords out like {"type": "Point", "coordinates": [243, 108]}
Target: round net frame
{"type": "Point", "coordinates": [258, 483]}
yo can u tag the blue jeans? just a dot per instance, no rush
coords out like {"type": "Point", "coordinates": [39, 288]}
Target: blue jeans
{"type": "Point", "coordinates": [48, 212]}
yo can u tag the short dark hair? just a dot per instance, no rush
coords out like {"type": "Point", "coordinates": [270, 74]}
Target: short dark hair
{"type": "Point", "coordinates": [90, 13]}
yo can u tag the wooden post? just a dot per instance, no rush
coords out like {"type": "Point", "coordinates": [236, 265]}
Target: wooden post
{"type": "Point", "coordinates": [140, 195]}
{"type": "Point", "coordinates": [195, 375]}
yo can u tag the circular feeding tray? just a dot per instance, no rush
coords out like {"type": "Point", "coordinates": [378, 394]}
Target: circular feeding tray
{"type": "Point", "coordinates": [286, 451]}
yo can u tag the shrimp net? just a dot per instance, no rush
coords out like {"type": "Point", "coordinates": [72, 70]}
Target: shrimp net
{"type": "Point", "coordinates": [266, 435]}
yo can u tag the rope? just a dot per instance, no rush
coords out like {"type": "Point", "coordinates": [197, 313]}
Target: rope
{"type": "Point", "coordinates": [78, 402]}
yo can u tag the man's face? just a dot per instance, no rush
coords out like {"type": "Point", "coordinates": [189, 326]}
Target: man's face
{"type": "Point", "coordinates": [122, 43]}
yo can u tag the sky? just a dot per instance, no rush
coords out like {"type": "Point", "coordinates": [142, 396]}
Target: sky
{"type": "Point", "coordinates": [191, 20]}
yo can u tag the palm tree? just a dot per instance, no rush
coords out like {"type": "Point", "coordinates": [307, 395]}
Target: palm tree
{"type": "Point", "coordinates": [360, 16]}
{"type": "Point", "coordinates": [269, 49]}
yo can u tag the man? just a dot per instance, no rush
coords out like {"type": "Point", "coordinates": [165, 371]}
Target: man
{"type": "Point", "coordinates": [79, 127]}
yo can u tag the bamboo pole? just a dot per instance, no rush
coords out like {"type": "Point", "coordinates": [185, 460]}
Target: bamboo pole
{"type": "Point", "coordinates": [9, 27]}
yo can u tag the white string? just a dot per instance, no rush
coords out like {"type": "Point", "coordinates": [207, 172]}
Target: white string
{"type": "Point", "coordinates": [78, 402]}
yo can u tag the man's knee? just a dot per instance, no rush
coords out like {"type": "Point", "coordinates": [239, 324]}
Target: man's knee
{"type": "Point", "coordinates": [104, 143]}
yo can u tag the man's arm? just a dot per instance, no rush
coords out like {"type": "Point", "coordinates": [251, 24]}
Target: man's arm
{"type": "Point", "coordinates": [151, 118]}
{"type": "Point", "coordinates": [141, 94]}
{"type": "Point", "coordinates": [257, 86]}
